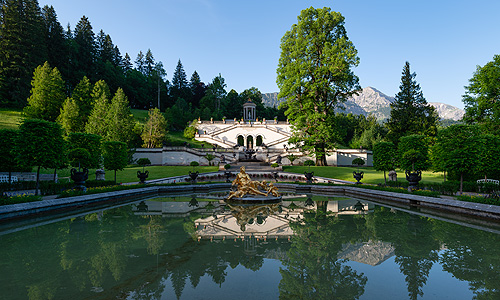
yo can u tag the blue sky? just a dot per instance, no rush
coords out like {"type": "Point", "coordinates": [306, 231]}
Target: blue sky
{"type": "Point", "coordinates": [443, 40]}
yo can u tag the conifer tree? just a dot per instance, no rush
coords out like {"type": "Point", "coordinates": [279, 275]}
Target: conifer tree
{"type": "Point", "coordinates": [47, 94]}
{"type": "Point", "coordinates": [410, 112]}
{"type": "Point", "coordinates": [120, 122]}
{"type": "Point", "coordinates": [23, 48]}
{"type": "Point", "coordinates": [139, 63]}
{"type": "Point", "coordinates": [82, 95]}
{"type": "Point", "coordinates": [57, 46]}
{"type": "Point", "coordinates": [86, 54]}
{"type": "Point", "coordinates": [127, 64]}
{"type": "Point", "coordinates": [197, 88]}
{"type": "Point", "coordinates": [98, 122]}
{"type": "Point", "coordinates": [149, 63]}
{"type": "Point", "coordinates": [69, 118]}
{"type": "Point", "coordinates": [179, 87]}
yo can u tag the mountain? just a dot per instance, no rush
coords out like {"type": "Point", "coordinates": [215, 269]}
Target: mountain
{"type": "Point", "coordinates": [372, 101]}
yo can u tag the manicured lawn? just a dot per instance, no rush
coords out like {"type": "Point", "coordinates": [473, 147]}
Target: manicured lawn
{"type": "Point", "coordinates": [140, 115]}
{"type": "Point", "coordinates": [10, 118]}
{"type": "Point", "coordinates": [176, 138]}
{"type": "Point", "coordinates": [129, 174]}
{"type": "Point", "coordinates": [370, 174]}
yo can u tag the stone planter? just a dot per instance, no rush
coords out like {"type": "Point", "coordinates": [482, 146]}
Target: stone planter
{"type": "Point", "coordinates": [193, 176]}
{"type": "Point", "coordinates": [309, 176]}
{"type": "Point", "coordinates": [142, 176]}
{"type": "Point", "coordinates": [358, 176]}
{"type": "Point", "coordinates": [228, 175]}
{"type": "Point", "coordinates": [79, 177]}
{"type": "Point", "coordinates": [413, 177]}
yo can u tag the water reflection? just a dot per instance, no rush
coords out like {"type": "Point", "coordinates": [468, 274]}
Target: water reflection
{"type": "Point", "coordinates": [152, 248]}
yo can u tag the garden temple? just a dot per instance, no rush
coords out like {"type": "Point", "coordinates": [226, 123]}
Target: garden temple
{"type": "Point", "coordinates": [248, 138]}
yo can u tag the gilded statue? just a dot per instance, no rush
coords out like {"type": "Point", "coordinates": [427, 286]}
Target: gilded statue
{"type": "Point", "coordinates": [245, 186]}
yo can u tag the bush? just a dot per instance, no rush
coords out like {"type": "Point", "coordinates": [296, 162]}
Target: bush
{"type": "Point", "coordinates": [4, 200]}
{"type": "Point", "coordinates": [227, 166]}
{"type": "Point", "coordinates": [495, 200]}
{"type": "Point", "coordinates": [275, 165]}
{"type": "Point", "coordinates": [309, 162]}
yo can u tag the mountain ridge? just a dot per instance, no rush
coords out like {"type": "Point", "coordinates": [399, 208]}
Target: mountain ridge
{"type": "Point", "coordinates": [372, 101]}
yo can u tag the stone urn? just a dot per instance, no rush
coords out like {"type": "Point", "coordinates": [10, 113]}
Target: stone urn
{"type": "Point", "coordinates": [413, 177]}
{"type": "Point", "coordinates": [142, 176]}
{"type": "Point", "coordinates": [100, 175]}
{"type": "Point", "coordinates": [358, 176]}
{"type": "Point", "coordinates": [193, 176]}
{"type": "Point", "coordinates": [79, 177]}
{"type": "Point", "coordinates": [309, 176]}
{"type": "Point", "coordinates": [228, 175]}
{"type": "Point", "coordinates": [275, 176]}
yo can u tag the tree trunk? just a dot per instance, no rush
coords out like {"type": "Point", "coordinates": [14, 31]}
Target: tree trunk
{"type": "Point", "coordinates": [37, 181]}
{"type": "Point", "coordinates": [444, 175]}
{"type": "Point", "coordinates": [55, 174]}
{"type": "Point", "coordinates": [115, 176]}
{"type": "Point", "coordinates": [10, 177]}
{"type": "Point", "coordinates": [461, 182]}
{"type": "Point", "coordinates": [385, 179]}
{"type": "Point", "coordinates": [321, 159]}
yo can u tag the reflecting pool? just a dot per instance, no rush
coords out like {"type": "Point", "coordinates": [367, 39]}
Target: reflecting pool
{"type": "Point", "coordinates": [197, 247]}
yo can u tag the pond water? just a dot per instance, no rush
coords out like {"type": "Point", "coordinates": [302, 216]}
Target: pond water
{"type": "Point", "coordinates": [195, 247]}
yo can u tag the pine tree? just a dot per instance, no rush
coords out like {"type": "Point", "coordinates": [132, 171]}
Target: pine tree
{"type": "Point", "coordinates": [179, 87]}
{"type": "Point", "coordinates": [69, 118]}
{"type": "Point", "coordinates": [47, 94]}
{"type": "Point", "coordinates": [197, 88]}
{"type": "Point", "coordinates": [120, 122]}
{"type": "Point", "coordinates": [149, 63]}
{"type": "Point", "coordinates": [139, 63]}
{"type": "Point", "coordinates": [22, 48]}
{"type": "Point", "coordinates": [127, 63]}
{"type": "Point", "coordinates": [410, 112]}
{"type": "Point", "coordinates": [98, 122]}
{"type": "Point", "coordinates": [86, 52]}
{"type": "Point", "coordinates": [82, 96]}
{"type": "Point", "coordinates": [57, 46]}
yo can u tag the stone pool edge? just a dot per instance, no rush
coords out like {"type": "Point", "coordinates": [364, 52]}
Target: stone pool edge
{"type": "Point", "coordinates": [14, 211]}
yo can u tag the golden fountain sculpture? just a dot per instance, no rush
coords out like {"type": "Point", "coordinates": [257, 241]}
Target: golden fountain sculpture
{"type": "Point", "coordinates": [246, 186]}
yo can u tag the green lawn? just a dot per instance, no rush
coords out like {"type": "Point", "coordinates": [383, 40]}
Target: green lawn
{"type": "Point", "coordinates": [129, 174]}
{"type": "Point", "coordinates": [370, 174]}
{"type": "Point", "coordinates": [10, 118]}
{"type": "Point", "coordinates": [140, 115]}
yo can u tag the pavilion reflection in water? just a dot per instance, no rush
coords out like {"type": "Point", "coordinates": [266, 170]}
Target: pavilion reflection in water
{"type": "Point", "coordinates": [254, 224]}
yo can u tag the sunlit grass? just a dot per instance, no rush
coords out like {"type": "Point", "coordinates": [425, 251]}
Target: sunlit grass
{"type": "Point", "coordinates": [10, 118]}
{"type": "Point", "coordinates": [370, 174]}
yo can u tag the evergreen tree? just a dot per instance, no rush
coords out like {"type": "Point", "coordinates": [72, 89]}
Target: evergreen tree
{"type": "Point", "coordinates": [57, 46]}
{"type": "Point", "coordinates": [120, 122]}
{"type": "Point", "coordinates": [69, 118]}
{"type": "Point", "coordinates": [149, 63]}
{"type": "Point", "coordinates": [232, 105]}
{"type": "Point", "coordinates": [98, 122]}
{"type": "Point", "coordinates": [82, 96]}
{"type": "Point", "coordinates": [384, 157]}
{"type": "Point", "coordinates": [47, 94]}
{"type": "Point", "coordinates": [197, 88]}
{"type": "Point", "coordinates": [86, 54]}
{"type": "Point", "coordinates": [139, 63]}
{"type": "Point", "coordinates": [22, 48]}
{"type": "Point", "coordinates": [179, 87]}
{"type": "Point", "coordinates": [410, 112]}
{"type": "Point", "coordinates": [214, 95]}
{"type": "Point", "coordinates": [127, 64]}
{"type": "Point", "coordinates": [89, 142]}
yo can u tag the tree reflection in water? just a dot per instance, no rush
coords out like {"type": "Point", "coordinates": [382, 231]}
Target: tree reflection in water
{"type": "Point", "coordinates": [129, 253]}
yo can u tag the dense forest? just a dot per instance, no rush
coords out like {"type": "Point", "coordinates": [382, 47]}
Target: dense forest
{"type": "Point", "coordinates": [32, 36]}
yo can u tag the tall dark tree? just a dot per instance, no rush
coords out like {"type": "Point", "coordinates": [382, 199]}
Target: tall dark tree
{"type": "Point", "coordinates": [149, 63]}
{"type": "Point", "coordinates": [410, 112]}
{"type": "Point", "coordinates": [22, 48]}
{"type": "Point", "coordinates": [180, 88]}
{"type": "Point", "coordinates": [86, 51]}
{"type": "Point", "coordinates": [197, 88]}
{"type": "Point", "coordinates": [57, 46]}
{"type": "Point", "coordinates": [127, 63]}
{"type": "Point", "coordinates": [139, 63]}
{"type": "Point", "coordinates": [314, 75]}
